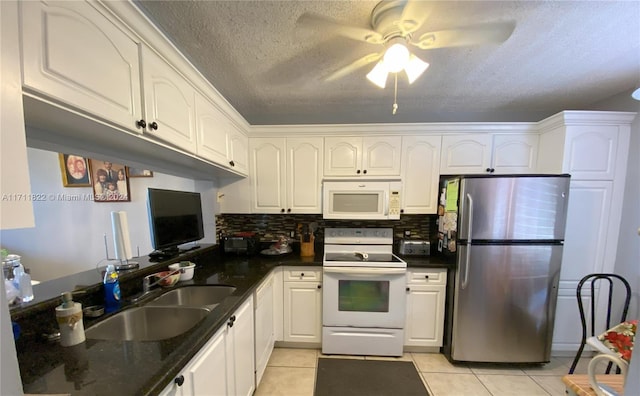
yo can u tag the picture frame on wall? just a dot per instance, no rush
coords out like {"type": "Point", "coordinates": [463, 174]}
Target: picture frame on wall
{"type": "Point", "coordinates": [110, 181]}
{"type": "Point", "coordinates": [135, 172]}
{"type": "Point", "coordinates": [74, 170]}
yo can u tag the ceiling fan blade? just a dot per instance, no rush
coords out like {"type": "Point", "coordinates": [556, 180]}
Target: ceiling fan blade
{"type": "Point", "coordinates": [352, 67]}
{"type": "Point", "coordinates": [313, 21]}
{"type": "Point", "coordinates": [414, 14]}
{"type": "Point", "coordinates": [466, 36]}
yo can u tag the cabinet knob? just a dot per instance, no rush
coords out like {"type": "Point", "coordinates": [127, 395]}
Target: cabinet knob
{"type": "Point", "coordinates": [154, 126]}
{"type": "Point", "coordinates": [141, 124]}
{"type": "Point", "coordinates": [364, 171]}
{"type": "Point", "coordinates": [493, 170]}
{"type": "Point", "coordinates": [426, 277]}
{"type": "Point", "coordinates": [233, 318]}
{"type": "Point", "coordinates": [319, 286]}
{"type": "Point", "coordinates": [488, 170]}
{"type": "Point", "coordinates": [302, 274]}
{"type": "Point", "coordinates": [282, 210]}
{"type": "Point", "coordinates": [232, 163]}
{"type": "Point", "coordinates": [401, 210]}
{"type": "Point", "coordinates": [289, 210]}
{"type": "Point", "coordinates": [408, 289]}
{"type": "Point", "coordinates": [179, 380]}
{"type": "Point", "coordinates": [230, 323]}
{"type": "Point", "coordinates": [358, 171]}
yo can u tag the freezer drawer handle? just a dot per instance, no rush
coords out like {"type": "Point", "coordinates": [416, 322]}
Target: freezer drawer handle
{"type": "Point", "coordinates": [465, 281]}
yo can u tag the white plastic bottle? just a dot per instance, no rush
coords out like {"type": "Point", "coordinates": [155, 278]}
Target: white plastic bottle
{"type": "Point", "coordinates": [22, 281]}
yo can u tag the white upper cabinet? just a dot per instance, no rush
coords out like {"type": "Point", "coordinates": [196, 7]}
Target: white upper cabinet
{"type": "Point", "coordinates": [285, 175]}
{"type": "Point", "coordinates": [169, 103]}
{"type": "Point", "coordinates": [362, 156]}
{"type": "Point", "coordinates": [267, 173]}
{"type": "Point", "coordinates": [420, 174]}
{"type": "Point", "coordinates": [239, 151]}
{"type": "Point", "coordinates": [487, 153]}
{"type": "Point", "coordinates": [218, 140]}
{"type": "Point", "coordinates": [16, 210]}
{"type": "Point", "coordinates": [591, 151]}
{"type": "Point", "coordinates": [73, 54]}
{"type": "Point", "coordinates": [514, 153]}
{"type": "Point", "coordinates": [304, 175]}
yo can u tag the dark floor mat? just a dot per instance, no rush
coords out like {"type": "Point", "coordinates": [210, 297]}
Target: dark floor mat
{"type": "Point", "coordinates": [351, 377]}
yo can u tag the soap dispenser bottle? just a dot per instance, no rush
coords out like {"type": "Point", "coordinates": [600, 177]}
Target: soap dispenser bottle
{"type": "Point", "coordinates": [69, 317]}
{"type": "Point", "coordinates": [111, 289]}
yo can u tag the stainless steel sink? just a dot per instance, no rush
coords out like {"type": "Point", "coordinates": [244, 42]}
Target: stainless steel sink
{"type": "Point", "coordinates": [147, 323]}
{"type": "Point", "coordinates": [194, 296]}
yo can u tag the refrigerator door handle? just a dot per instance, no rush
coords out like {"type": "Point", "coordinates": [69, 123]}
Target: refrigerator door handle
{"type": "Point", "coordinates": [465, 281]}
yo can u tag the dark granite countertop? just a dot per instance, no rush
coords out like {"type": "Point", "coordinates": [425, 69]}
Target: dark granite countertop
{"type": "Point", "coordinates": [97, 367]}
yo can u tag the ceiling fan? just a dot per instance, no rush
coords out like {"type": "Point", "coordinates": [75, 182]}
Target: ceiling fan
{"type": "Point", "coordinates": [395, 25]}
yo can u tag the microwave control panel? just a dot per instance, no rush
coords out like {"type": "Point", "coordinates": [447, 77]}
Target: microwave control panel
{"type": "Point", "coordinates": [394, 204]}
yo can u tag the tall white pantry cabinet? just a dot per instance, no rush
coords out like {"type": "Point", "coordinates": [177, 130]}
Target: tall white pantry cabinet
{"type": "Point", "coordinates": [593, 148]}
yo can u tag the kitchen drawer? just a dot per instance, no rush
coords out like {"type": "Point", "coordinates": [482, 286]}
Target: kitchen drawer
{"type": "Point", "coordinates": [427, 276]}
{"type": "Point", "coordinates": [302, 274]}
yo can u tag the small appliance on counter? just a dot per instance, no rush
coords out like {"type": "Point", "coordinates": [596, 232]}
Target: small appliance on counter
{"type": "Point", "coordinates": [414, 247]}
{"type": "Point", "coordinates": [241, 243]}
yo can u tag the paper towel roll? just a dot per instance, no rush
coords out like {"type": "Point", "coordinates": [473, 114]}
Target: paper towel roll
{"type": "Point", "coordinates": [121, 241]}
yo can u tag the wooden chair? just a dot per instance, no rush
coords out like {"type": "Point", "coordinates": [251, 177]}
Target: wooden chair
{"type": "Point", "coordinates": [609, 280]}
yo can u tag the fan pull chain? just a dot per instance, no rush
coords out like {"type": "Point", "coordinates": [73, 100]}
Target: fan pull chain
{"type": "Point", "coordinates": [394, 109]}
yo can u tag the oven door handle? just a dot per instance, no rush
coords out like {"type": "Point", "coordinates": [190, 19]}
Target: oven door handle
{"type": "Point", "coordinates": [364, 270]}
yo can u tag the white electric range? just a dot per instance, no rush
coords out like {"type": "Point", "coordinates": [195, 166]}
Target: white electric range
{"type": "Point", "coordinates": [364, 298]}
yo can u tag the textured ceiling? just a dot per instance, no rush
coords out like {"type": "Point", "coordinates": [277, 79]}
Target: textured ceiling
{"type": "Point", "coordinates": [562, 55]}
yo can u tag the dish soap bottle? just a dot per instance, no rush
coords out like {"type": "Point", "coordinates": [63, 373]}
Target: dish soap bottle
{"type": "Point", "coordinates": [111, 289]}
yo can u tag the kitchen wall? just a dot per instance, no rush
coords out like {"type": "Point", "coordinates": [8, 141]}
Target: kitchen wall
{"type": "Point", "coordinates": [628, 254]}
{"type": "Point", "coordinates": [69, 235]}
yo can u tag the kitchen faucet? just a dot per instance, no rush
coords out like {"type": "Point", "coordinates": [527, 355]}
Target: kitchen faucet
{"type": "Point", "coordinates": [147, 285]}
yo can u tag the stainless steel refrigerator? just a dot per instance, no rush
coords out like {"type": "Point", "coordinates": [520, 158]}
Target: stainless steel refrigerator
{"type": "Point", "coordinates": [506, 235]}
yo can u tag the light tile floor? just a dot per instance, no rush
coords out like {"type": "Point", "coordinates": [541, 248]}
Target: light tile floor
{"type": "Point", "coordinates": [292, 372]}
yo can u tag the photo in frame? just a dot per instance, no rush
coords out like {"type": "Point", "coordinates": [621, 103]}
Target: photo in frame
{"type": "Point", "coordinates": [110, 181]}
{"type": "Point", "coordinates": [74, 170]}
{"type": "Point", "coordinates": [135, 172]}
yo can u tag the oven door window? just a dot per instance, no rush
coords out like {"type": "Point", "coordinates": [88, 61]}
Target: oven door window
{"type": "Point", "coordinates": [363, 295]}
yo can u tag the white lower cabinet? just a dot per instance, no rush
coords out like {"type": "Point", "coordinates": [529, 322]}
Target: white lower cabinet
{"type": "Point", "coordinates": [265, 329]}
{"type": "Point", "coordinates": [426, 291]}
{"type": "Point", "coordinates": [225, 365]}
{"type": "Point", "coordinates": [302, 304]}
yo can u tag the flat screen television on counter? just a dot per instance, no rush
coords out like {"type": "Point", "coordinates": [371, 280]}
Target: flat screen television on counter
{"type": "Point", "coordinates": [175, 218]}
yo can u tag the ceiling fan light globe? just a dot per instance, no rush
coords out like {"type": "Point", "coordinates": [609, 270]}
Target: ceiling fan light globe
{"type": "Point", "coordinates": [636, 94]}
{"type": "Point", "coordinates": [396, 57]}
{"type": "Point", "coordinates": [378, 75]}
{"type": "Point", "coordinates": [414, 68]}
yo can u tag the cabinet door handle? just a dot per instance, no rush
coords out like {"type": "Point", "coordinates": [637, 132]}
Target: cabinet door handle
{"type": "Point", "coordinates": [154, 126]}
{"type": "Point", "coordinates": [488, 170]}
{"type": "Point", "coordinates": [230, 323]}
{"type": "Point", "coordinates": [232, 163]}
{"type": "Point", "coordinates": [141, 124]}
{"type": "Point", "coordinates": [282, 210]}
{"type": "Point", "coordinates": [179, 380]}
{"type": "Point", "coordinates": [358, 171]}
{"type": "Point", "coordinates": [319, 286]}
{"type": "Point", "coordinates": [302, 274]}
{"type": "Point", "coordinates": [364, 171]}
{"type": "Point", "coordinates": [408, 289]}
{"type": "Point", "coordinates": [233, 318]}
{"type": "Point", "coordinates": [289, 210]}
{"type": "Point", "coordinates": [426, 277]}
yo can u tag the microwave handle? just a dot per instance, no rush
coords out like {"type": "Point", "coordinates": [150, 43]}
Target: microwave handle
{"type": "Point", "coordinates": [386, 203]}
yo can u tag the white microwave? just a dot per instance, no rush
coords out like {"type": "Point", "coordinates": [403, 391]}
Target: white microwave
{"type": "Point", "coordinates": [361, 200]}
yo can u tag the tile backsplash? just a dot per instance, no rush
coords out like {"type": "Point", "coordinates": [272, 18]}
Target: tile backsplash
{"type": "Point", "coordinates": [269, 226]}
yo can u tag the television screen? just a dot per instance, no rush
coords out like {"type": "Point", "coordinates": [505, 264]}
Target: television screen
{"type": "Point", "coordinates": [175, 217]}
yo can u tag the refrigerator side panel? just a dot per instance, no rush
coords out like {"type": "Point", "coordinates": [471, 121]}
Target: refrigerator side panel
{"type": "Point", "coordinates": [513, 208]}
{"type": "Point", "coordinates": [505, 301]}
